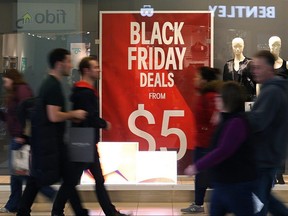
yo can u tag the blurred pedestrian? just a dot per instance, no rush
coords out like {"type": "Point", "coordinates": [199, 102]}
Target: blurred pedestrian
{"type": "Point", "coordinates": [49, 155]}
{"type": "Point", "coordinates": [16, 91]}
{"type": "Point", "coordinates": [207, 85]}
{"type": "Point", "coordinates": [231, 160]}
{"type": "Point", "coordinates": [269, 121]}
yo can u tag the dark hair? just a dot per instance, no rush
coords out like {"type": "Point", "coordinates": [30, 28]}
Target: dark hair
{"type": "Point", "coordinates": [208, 73]}
{"type": "Point", "coordinates": [267, 56]}
{"type": "Point", "coordinates": [17, 79]}
{"type": "Point", "coordinates": [233, 96]}
{"type": "Point", "coordinates": [57, 55]}
{"type": "Point", "coordinates": [85, 63]}
{"type": "Point", "coordinates": [14, 75]}
{"type": "Point", "coordinates": [95, 57]}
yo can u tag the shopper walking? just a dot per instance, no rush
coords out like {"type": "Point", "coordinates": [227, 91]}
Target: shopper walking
{"type": "Point", "coordinates": [17, 90]}
{"type": "Point", "coordinates": [85, 96]}
{"type": "Point", "coordinates": [232, 159]}
{"type": "Point", "coordinates": [207, 85]}
{"type": "Point", "coordinates": [49, 156]}
{"type": "Point", "coordinates": [269, 121]}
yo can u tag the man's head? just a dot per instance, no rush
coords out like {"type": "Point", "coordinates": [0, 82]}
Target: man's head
{"type": "Point", "coordinates": [89, 68]}
{"type": "Point", "coordinates": [60, 60]}
{"type": "Point", "coordinates": [263, 66]}
{"type": "Point", "coordinates": [238, 45]}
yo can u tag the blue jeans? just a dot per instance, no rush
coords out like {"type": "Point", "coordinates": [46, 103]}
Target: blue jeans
{"type": "Point", "coordinates": [235, 198]}
{"type": "Point", "coordinates": [264, 184]}
{"type": "Point", "coordinates": [16, 183]}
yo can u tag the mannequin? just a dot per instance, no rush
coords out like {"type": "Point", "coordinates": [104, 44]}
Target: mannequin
{"type": "Point", "coordinates": [238, 69]}
{"type": "Point", "coordinates": [280, 65]}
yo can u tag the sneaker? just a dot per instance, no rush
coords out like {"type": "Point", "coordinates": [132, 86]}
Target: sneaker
{"type": "Point", "coordinates": [193, 208]}
{"type": "Point", "coordinates": [117, 213]}
{"type": "Point", "coordinates": [4, 210]}
{"type": "Point", "coordinates": [279, 179]}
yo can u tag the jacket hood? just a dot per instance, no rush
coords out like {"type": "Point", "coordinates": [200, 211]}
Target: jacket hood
{"type": "Point", "coordinates": [84, 84]}
{"type": "Point", "coordinates": [213, 86]}
{"type": "Point", "coordinates": [278, 81]}
{"type": "Point", "coordinates": [81, 86]}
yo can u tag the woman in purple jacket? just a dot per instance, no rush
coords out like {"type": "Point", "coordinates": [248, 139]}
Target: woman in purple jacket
{"type": "Point", "coordinates": [231, 161]}
{"type": "Point", "coordinates": [16, 91]}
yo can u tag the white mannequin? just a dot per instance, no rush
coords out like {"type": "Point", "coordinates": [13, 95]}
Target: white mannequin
{"type": "Point", "coordinates": [238, 47]}
{"type": "Point", "coordinates": [275, 47]}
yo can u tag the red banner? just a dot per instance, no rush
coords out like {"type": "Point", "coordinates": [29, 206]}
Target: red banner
{"type": "Point", "coordinates": [148, 67]}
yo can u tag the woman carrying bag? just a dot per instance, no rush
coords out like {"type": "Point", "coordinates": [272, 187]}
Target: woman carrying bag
{"type": "Point", "coordinates": [16, 91]}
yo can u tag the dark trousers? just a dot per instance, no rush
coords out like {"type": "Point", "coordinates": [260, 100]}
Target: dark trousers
{"type": "Point", "coordinates": [264, 184]}
{"type": "Point", "coordinates": [16, 183]}
{"type": "Point", "coordinates": [67, 190]}
{"type": "Point", "coordinates": [100, 190]}
{"type": "Point", "coordinates": [235, 198]}
{"type": "Point", "coordinates": [202, 179]}
{"type": "Point", "coordinates": [31, 190]}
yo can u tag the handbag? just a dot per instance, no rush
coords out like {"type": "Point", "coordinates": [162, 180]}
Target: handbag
{"type": "Point", "coordinates": [21, 161]}
{"type": "Point", "coordinates": [81, 144]}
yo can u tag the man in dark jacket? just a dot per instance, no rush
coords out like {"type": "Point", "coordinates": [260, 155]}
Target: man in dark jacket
{"type": "Point", "coordinates": [49, 160]}
{"type": "Point", "coordinates": [85, 97]}
{"type": "Point", "coordinates": [269, 121]}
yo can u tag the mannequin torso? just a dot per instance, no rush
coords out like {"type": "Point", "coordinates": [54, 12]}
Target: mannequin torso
{"type": "Point", "coordinates": [238, 69]}
{"type": "Point", "coordinates": [280, 66]}
{"type": "Point", "coordinates": [237, 61]}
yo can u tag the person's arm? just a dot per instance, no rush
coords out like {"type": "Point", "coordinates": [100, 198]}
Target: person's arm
{"type": "Point", "coordinates": [54, 102]}
{"type": "Point", "coordinates": [23, 92]}
{"type": "Point", "coordinates": [265, 108]}
{"type": "Point", "coordinates": [86, 102]}
{"type": "Point", "coordinates": [56, 115]}
{"type": "Point", "coordinates": [230, 140]}
{"type": "Point", "coordinates": [209, 107]}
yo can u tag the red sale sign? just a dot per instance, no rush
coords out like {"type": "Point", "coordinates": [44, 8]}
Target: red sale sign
{"type": "Point", "coordinates": [148, 66]}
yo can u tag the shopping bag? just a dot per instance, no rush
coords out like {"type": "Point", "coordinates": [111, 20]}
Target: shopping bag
{"type": "Point", "coordinates": [81, 144]}
{"type": "Point", "coordinates": [21, 161]}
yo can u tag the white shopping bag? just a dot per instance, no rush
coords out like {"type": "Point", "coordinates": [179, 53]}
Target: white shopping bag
{"type": "Point", "coordinates": [21, 161]}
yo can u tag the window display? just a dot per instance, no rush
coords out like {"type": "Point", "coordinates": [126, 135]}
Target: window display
{"type": "Point", "coordinates": [239, 69]}
{"type": "Point", "coordinates": [29, 30]}
{"type": "Point", "coordinates": [281, 65]}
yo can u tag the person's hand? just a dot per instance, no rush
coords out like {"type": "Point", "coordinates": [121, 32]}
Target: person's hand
{"type": "Point", "coordinates": [108, 125]}
{"type": "Point", "coordinates": [19, 140]}
{"type": "Point", "coordinates": [215, 118]}
{"type": "Point", "coordinates": [79, 114]}
{"type": "Point", "coordinates": [190, 170]}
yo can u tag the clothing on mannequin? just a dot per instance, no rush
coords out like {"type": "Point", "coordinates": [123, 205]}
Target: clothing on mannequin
{"type": "Point", "coordinates": [280, 66]}
{"type": "Point", "coordinates": [238, 69]}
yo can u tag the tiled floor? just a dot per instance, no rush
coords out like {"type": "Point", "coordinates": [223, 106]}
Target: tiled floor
{"type": "Point", "coordinates": [135, 209]}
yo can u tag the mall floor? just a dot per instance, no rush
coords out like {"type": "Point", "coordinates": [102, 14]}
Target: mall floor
{"type": "Point", "coordinates": [134, 208]}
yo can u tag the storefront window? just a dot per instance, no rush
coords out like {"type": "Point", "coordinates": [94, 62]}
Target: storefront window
{"type": "Point", "coordinates": [30, 29]}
